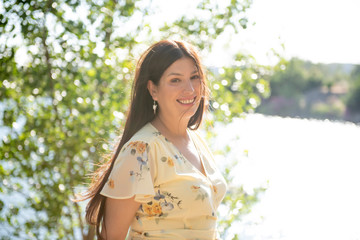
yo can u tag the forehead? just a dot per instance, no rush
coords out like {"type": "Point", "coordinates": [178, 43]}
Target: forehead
{"type": "Point", "coordinates": [182, 66]}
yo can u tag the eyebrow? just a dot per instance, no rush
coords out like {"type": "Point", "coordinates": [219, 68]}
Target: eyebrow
{"type": "Point", "coordinates": [179, 74]}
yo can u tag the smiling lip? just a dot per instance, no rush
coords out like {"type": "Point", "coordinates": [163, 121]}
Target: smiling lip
{"type": "Point", "coordinates": [187, 101]}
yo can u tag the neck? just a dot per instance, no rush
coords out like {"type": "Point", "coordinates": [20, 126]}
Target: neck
{"type": "Point", "coordinates": [170, 127]}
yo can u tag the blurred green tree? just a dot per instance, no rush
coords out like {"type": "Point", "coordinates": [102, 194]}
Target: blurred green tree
{"type": "Point", "coordinates": [353, 99]}
{"type": "Point", "coordinates": [294, 77]}
{"type": "Point", "coordinates": [65, 69]}
{"type": "Point", "coordinates": [306, 89]}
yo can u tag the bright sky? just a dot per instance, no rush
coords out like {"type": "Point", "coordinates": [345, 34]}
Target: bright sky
{"type": "Point", "coordinates": [317, 30]}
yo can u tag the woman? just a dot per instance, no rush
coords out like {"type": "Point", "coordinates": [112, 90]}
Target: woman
{"type": "Point", "coordinates": [161, 181]}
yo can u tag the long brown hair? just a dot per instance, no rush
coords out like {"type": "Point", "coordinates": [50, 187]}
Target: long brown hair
{"type": "Point", "coordinates": [151, 65]}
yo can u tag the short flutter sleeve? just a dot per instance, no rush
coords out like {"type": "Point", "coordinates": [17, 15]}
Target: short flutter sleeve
{"type": "Point", "coordinates": [133, 174]}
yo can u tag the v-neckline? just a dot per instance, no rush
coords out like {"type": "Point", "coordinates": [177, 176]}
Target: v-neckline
{"type": "Point", "coordinates": [204, 174]}
{"type": "Point", "coordinates": [199, 155]}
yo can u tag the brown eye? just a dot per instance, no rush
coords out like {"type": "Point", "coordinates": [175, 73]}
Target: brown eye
{"type": "Point", "coordinates": [195, 77]}
{"type": "Point", "coordinates": [175, 80]}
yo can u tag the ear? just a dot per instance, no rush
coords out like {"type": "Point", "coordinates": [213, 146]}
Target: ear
{"type": "Point", "coordinates": [152, 89]}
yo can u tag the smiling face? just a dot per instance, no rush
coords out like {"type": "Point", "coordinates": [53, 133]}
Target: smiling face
{"type": "Point", "coordinates": [179, 90]}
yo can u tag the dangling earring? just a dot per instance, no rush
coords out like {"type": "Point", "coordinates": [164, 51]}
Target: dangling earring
{"type": "Point", "coordinates": [154, 107]}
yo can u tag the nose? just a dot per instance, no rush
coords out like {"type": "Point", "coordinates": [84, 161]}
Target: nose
{"type": "Point", "coordinates": [189, 87]}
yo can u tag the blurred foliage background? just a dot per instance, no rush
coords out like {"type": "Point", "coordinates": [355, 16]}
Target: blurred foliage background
{"type": "Point", "coordinates": [66, 69]}
{"type": "Point", "coordinates": [323, 91]}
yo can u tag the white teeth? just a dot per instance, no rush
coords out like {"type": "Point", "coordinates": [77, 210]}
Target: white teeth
{"type": "Point", "coordinates": [186, 101]}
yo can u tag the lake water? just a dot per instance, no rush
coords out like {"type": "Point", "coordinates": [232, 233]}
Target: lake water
{"type": "Point", "coordinates": [313, 173]}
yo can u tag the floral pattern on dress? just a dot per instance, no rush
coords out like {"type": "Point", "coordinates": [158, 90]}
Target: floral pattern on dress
{"type": "Point", "coordinates": [156, 133]}
{"type": "Point", "coordinates": [214, 188]}
{"type": "Point", "coordinates": [168, 160]}
{"type": "Point", "coordinates": [138, 148]}
{"type": "Point", "coordinates": [111, 183]}
{"type": "Point", "coordinates": [162, 203]}
{"type": "Point", "coordinates": [180, 159]}
{"type": "Point", "coordinates": [201, 194]}
{"type": "Point", "coordinates": [152, 208]}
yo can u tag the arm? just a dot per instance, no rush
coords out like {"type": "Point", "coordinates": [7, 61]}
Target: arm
{"type": "Point", "coordinates": [119, 214]}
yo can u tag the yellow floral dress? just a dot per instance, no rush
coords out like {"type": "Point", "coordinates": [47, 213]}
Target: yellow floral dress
{"type": "Point", "coordinates": [177, 200]}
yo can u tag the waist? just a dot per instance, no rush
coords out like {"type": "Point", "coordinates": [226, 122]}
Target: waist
{"type": "Point", "coordinates": [158, 223]}
{"type": "Point", "coordinates": [178, 234]}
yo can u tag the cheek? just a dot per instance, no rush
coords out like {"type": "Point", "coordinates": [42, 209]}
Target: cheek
{"type": "Point", "coordinates": [167, 95]}
{"type": "Point", "coordinates": [199, 87]}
